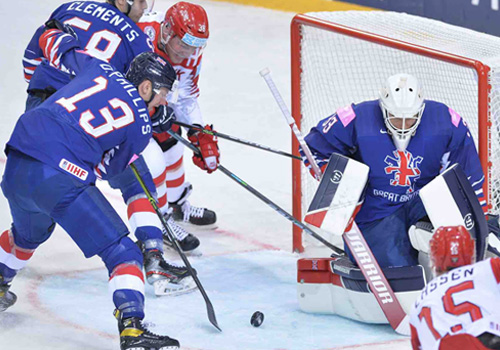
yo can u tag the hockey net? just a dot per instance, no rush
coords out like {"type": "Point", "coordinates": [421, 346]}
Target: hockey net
{"type": "Point", "coordinates": [339, 58]}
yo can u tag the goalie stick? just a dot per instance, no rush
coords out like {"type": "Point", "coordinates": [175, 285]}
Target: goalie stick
{"type": "Point", "coordinates": [266, 74]}
{"type": "Point", "coordinates": [353, 237]}
{"type": "Point", "coordinates": [235, 139]}
{"type": "Point", "coordinates": [266, 200]}
{"type": "Point", "coordinates": [173, 239]}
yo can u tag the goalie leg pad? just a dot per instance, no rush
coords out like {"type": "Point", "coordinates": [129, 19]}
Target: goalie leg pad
{"type": "Point", "coordinates": [337, 286]}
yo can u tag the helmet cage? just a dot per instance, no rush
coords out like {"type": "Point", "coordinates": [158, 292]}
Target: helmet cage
{"type": "Point", "coordinates": [400, 101]}
{"type": "Point", "coordinates": [401, 136]}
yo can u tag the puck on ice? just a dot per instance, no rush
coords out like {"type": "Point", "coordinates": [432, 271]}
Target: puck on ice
{"type": "Point", "coordinates": [257, 319]}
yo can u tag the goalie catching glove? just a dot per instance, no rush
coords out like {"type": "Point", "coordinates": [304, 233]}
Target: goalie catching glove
{"type": "Point", "coordinates": [162, 119]}
{"type": "Point", "coordinates": [207, 144]}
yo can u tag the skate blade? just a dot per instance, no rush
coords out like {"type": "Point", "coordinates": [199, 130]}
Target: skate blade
{"type": "Point", "coordinates": [166, 288]}
{"type": "Point", "coordinates": [196, 228]}
{"type": "Point", "coordinates": [195, 252]}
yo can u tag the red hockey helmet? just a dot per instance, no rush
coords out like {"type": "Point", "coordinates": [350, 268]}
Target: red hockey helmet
{"type": "Point", "coordinates": [451, 247]}
{"type": "Point", "coordinates": [189, 22]}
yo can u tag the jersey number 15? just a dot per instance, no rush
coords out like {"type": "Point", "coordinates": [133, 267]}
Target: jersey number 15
{"type": "Point", "coordinates": [450, 307]}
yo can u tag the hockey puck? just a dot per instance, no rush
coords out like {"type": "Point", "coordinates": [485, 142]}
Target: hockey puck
{"type": "Point", "coordinates": [257, 319]}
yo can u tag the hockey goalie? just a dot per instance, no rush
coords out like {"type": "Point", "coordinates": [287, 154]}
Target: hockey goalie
{"type": "Point", "coordinates": [413, 165]}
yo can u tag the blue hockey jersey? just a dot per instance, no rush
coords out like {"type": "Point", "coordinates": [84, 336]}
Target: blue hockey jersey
{"type": "Point", "coordinates": [359, 132]}
{"type": "Point", "coordinates": [103, 31]}
{"type": "Point", "coordinates": [98, 122]}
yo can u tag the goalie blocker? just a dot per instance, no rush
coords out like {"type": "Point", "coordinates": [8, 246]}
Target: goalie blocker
{"type": "Point", "coordinates": [449, 200]}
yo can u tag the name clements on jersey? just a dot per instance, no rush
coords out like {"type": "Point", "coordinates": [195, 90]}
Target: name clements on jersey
{"type": "Point", "coordinates": [453, 276]}
{"type": "Point", "coordinates": [133, 93]}
{"type": "Point", "coordinates": [105, 15]}
{"type": "Point", "coordinates": [394, 197]}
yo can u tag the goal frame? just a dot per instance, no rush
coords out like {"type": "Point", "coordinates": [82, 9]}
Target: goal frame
{"type": "Point", "coordinates": [484, 124]}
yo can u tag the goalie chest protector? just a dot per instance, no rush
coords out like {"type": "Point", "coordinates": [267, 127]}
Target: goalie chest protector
{"type": "Point", "coordinates": [337, 286]}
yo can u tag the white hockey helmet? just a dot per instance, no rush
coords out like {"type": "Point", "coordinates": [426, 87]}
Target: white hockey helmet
{"type": "Point", "coordinates": [402, 102]}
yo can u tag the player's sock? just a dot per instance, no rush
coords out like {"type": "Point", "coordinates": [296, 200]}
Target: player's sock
{"type": "Point", "coordinates": [187, 241]}
{"type": "Point", "coordinates": [135, 336]}
{"type": "Point", "coordinates": [7, 298]}
{"type": "Point", "coordinates": [184, 212]}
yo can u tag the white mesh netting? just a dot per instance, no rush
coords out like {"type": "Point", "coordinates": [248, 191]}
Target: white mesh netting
{"type": "Point", "coordinates": [338, 69]}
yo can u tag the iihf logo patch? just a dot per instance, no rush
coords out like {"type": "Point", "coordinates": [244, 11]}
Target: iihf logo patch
{"type": "Point", "coordinates": [150, 32]}
{"type": "Point", "coordinates": [73, 169]}
{"type": "Point", "coordinates": [405, 169]}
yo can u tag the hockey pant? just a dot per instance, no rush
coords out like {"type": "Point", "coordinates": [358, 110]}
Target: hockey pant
{"type": "Point", "coordinates": [40, 196]}
{"type": "Point", "coordinates": [388, 237]}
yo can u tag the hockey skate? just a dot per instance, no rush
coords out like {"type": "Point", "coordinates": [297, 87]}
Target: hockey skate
{"type": "Point", "coordinates": [167, 278]}
{"type": "Point", "coordinates": [135, 336]}
{"type": "Point", "coordinates": [188, 242]}
{"type": "Point", "coordinates": [190, 216]}
{"type": "Point", "coordinates": [7, 298]}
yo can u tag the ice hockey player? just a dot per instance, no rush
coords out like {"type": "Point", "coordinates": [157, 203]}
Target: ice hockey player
{"type": "Point", "coordinates": [99, 120]}
{"type": "Point", "coordinates": [461, 304]}
{"type": "Point", "coordinates": [108, 31]}
{"type": "Point", "coordinates": [180, 37]}
{"type": "Point", "coordinates": [406, 141]}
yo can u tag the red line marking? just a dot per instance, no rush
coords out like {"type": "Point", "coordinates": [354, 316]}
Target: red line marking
{"type": "Point", "coordinates": [34, 300]}
{"type": "Point", "coordinates": [358, 346]}
{"type": "Point", "coordinates": [244, 238]}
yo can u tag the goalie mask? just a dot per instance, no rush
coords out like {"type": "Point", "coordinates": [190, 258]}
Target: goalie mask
{"type": "Point", "coordinates": [451, 247]}
{"type": "Point", "coordinates": [402, 105]}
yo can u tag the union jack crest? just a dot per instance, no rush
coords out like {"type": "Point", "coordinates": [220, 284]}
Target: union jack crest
{"type": "Point", "coordinates": [405, 169]}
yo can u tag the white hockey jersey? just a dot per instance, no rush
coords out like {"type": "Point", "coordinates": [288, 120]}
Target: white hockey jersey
{"type": "Point", "coordinates": [186, 105]}
{"type": "Point", "coordinates": [465, 300]}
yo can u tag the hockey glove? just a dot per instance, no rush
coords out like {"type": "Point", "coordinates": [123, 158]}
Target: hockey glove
{"type": "Point", "coordinates": [162, 119]}
{"type": "Point", "coordinates": [207, 144]}
{"type": "Point", "coordinates": [55, 24]}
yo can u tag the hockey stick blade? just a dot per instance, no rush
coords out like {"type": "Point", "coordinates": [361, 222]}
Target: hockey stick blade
{"type": "Point", "coordinates": [235, 139]}
{"type": "Point", "coordinates": [263, 198]}
{"type": "Point", "coordinates": [173, 239]}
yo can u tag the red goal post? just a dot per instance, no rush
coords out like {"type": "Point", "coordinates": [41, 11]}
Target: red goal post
{"type": "Point", "coordinates": [340, 58]}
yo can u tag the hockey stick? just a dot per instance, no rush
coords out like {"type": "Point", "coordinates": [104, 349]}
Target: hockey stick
{"type": "Point", "coordinates": [263, 198]}
{"type": "Point", "coordinates": [171, 236]}
{"type": "Point", "coordinates": [353, 237]}
{"type": "Point", "coordinates": [235, 139]}
{"type": "Point", "coordinates": [266, 74]}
